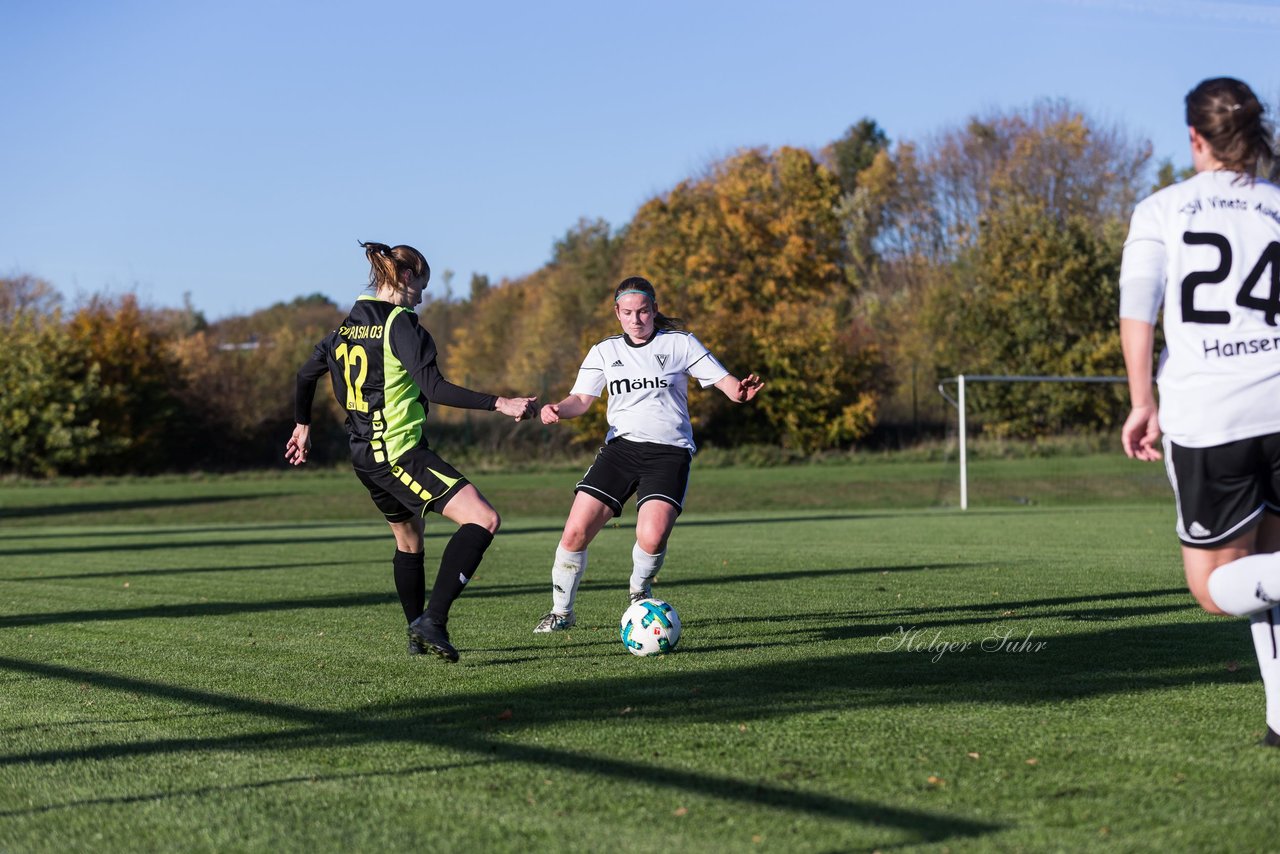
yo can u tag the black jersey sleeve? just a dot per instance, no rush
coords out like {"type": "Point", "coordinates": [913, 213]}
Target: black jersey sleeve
{"type": "Point", "coordinates": [416, 350]}
{"type": "Point", "coordinates": [305, 388]}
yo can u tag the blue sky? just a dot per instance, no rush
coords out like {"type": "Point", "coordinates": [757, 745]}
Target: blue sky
{"type": "Point", "coordinates": [237, 150]}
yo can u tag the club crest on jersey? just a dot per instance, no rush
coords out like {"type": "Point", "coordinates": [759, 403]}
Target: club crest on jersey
{"type": "Point", "coordinates": [662, 360]}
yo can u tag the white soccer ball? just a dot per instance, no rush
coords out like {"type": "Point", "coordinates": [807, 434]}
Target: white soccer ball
{"type": "Point", "coordinates": [650, 627]}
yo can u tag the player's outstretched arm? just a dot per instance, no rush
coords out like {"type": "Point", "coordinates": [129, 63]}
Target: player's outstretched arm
{"type": "Point", "coordinates": [740, 390]}
{"type": "Point", "coordinates": [571, 407]}
{"type": "Point", "coordinates": [298, 448]}
{"type": "Point", "coordinates": [518, 408]}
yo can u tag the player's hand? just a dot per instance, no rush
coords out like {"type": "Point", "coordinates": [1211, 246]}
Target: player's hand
{"type": "Point", "coordinates": [1141, 434]}
{"type": "Point", "coordinates": [518, 408]}
{"type": "Point", "coordinates": [550, 413]}
{"type": "Point", "coordinates": [748, 387]}
{"type": "Point", "coordinates": [298, 448]}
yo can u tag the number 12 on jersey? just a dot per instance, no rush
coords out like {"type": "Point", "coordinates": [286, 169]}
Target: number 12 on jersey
{"type": "Point", "coordinates": [354, 359]}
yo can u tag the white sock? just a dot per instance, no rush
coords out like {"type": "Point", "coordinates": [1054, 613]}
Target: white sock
{"type": "Point", "coordinates": [1247, 585]}
{"type": "Point", "coordinates": [644, 567]}
{"type": "Point", "coordinates": [566, 574]}
{"type": "Point", "coordinates": [1265, 627]}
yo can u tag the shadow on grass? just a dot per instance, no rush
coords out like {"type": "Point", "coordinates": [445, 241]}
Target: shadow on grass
{"type": "Point", "coordinates": [188, 610]}
{"type": "Point", "coordinates": [188, 570]}
{"type": "Point", "coordinates": [859, 623]}
{"type": "Point", "coordinates": [306, 534]}
{"type": "Point", "coordinates": [156, 544]}
{"type": "Point", "coordinates": [853, 623]}
{"type": "Point", "coordinates": [79, 509]}
{"type": "Point", "coordinates": [627, 521]}
{"type": "Point", "coordinates": [1069, 667]}
{"type": "Point", "coordinates": [132, 530]}
{"type": "Point", "coordinates": [921, 624]}
{"type": "Point", "coordinates": [204, 609]}
{"type": "Point", "coordinates": [217, 791]}
{"type": "Point", "coordinates": [404, 723]}
{"type": "Point", "coordinates": [716, 580]}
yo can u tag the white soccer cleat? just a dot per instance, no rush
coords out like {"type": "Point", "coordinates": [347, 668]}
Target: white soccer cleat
{"type": "Point", "coordinates": [553, 622]}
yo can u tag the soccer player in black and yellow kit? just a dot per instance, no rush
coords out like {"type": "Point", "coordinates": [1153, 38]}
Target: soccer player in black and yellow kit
{"type": "Point", "coordinates": [384, 372]}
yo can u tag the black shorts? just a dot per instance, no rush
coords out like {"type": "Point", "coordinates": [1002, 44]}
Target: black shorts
{"type": "Point", "coordinates": [1221, 492]}
{"type": "Point", "coordinates": [419, 481]}
{"type": "Point", "coordinates": [647, 470]}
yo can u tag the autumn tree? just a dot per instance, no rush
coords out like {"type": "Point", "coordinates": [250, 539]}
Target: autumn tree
{"type": "Point", "coordinates": [238, 382]}
{"type": "Point", "coordinates": [750, 255]}
{"type": "Point", "coordinates": [29, 296]}
{"type": "Point", "coordinates": [1037, 295]}
{"type": "Point", "coordinates": [1167, 174]}
{"type": "Point", "coordinates": [139, 407]}
{"type": "Point", "coordinates": [486, 351]}
{"type": "Point", "coordinates": [528, 336]}
{"type": "Point", "coordinates": [918, 227]}
{"type": "Point", "coordinates": [854, 151]}
{"type": "Point", "coordinates": [571, 309]}
{"type": "Point", "coordinates": [48, 391]}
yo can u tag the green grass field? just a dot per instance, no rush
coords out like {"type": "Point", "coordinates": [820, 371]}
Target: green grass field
{"type": "Point", "coordinates": [218, 664]}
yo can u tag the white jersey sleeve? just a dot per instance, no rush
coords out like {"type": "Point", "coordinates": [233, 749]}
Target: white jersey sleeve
{"type": "Point", "coordinates": [591, 374]}
{"type": "Point", "coordinates": [703, 366]}
{"type": "Point", "coordinates": [1142, 269]}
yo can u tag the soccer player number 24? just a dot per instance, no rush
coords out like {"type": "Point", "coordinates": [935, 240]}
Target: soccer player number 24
{"type": "Point", "coordinates": [1269, 305]}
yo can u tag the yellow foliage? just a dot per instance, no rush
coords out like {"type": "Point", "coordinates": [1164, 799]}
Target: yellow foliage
{"type": "Point", "coordinates": [749, 256]}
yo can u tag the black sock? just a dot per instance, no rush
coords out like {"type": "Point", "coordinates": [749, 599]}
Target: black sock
{"type": "Point", "coordinates": [458, 563]}
{"type": "Point", "coordinates": [411, 582]}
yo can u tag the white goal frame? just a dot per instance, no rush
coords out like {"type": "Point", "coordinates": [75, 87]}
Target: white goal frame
{"type": "Point", "coordinates": [958, 403]}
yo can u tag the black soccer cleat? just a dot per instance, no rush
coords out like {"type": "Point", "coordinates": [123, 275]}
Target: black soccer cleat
{"type": "Point", "coordinates": [431, 638]}
{"type": "Point", "coordinates": [1271, 739]}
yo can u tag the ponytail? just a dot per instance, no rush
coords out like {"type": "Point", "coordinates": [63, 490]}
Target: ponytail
{"type": "Point", "coordinates": [387, 264]}
{"type": "Point", "coordinates": [1231, 119]}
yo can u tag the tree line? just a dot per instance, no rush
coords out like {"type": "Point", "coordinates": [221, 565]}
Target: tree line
{"type": "Point", "coordinates": [851, 278]}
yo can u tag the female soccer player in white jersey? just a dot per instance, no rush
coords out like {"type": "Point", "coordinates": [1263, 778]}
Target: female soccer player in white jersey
{"type": "Point", "coordinates": [1208, 248]}
{"type": "Point", "coordinates": [649, 444]}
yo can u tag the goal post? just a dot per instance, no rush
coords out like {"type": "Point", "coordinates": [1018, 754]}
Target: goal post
{"type": "Point", "coordinates": [959, 403]}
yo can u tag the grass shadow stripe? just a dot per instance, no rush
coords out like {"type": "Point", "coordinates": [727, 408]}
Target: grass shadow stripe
{"type": "Point", "coordinates": [194, 570]}
{"type": "Point", "coordinates": [336, 729]}
{"type": "Point", "coordinates": [153, 544]}
{"type": "Point", "coordinates": [924, 826]}
{"type": "Point", "coordinates": [194, 609]}
{"type": "Point", "coordinates": [215, 791]}
{"type": "Point", "coordinates": [345, 728]}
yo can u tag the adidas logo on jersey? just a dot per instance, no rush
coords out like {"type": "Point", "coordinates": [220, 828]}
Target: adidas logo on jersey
{"type": "Point", "coordinates": [616, 364]}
